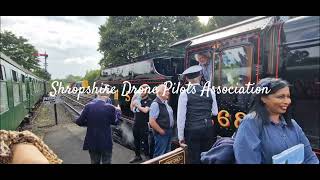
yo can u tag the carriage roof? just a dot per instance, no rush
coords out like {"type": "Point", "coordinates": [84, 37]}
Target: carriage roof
{"type": "Point", "coordinates": [13, 63]}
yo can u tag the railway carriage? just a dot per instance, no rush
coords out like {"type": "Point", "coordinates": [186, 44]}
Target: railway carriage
{"type": "Point", "coordinates": [20, 91]}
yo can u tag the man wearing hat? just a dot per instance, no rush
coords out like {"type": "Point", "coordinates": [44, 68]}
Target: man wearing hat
{"type": "Point", "coordinates": [194, 122]}
{"type": "Point", "coordinates": [204, 61]}
{"type": "Point", "coordinates": [98, 116]}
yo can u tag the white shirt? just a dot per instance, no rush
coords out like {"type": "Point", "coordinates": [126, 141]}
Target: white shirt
{"type": "Point", "coordinates": [182, 111]}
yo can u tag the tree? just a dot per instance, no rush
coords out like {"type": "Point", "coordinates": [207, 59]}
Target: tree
{"type": "Point", "coordinates": [20, 51]}
{"type": "Point", "coordinates": [42, 73]}
{"type": "Point", "coordinates": [68, 80]}
{"type": "Point", "coordinates": [125, 37]}
{"type": "Point", "coordinates": [72, 78]}
{"type": "Point", "coordinates": [188, 26]}
{"type": "Point", "coordinates": [216, 22]}
{"type": "Point", "coordinates": [91, 76]}
{"type": "Point", "coordinates": [113, 36]}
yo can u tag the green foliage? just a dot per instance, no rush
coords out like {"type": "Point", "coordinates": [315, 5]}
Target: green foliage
{"type": "Point", "coordinates": [91, 76]}
{"type": "Point", "coordinates": [42, 73]}
{"type": "Point", "coordinates": [71, 78]}
{"type": "Point", "coordinates": [125, 37]}
{"type": "Point", "coordinates": [20, 51]}
{"type": "Point", "coordinates": [68, 80]}
{"type": "Point", "coordinates": [216, 22]}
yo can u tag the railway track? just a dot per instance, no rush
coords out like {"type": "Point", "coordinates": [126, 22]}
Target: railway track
{"type": "Point", "coordinates": [73, 104]}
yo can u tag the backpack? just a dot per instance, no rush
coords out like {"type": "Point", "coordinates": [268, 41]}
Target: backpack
{"type": "Point", "coordinates": [221, 151]}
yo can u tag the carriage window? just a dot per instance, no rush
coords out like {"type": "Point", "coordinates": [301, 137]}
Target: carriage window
{"type": "Point", "coordinates": [169, 66]}
{"type": "Point", "coordinates": [37, 86]}
{"type": "Point", "coordinates": [24, 92]}
{"type": "Point", "coordinates": [22, 78]}
{"type": "Point", "coordinates": [14, 76]}
{"type": "Point", "coordinates": [4, 97]}
{"type": "Point", "coordinates": [16, 89]}
{"type": "Point", "coordinates": [16, 94]}
{"type": "Point", "coordinates": [2, 73]}
{"type": "Point", "coordinates": [236, 66]}
{"type": "Point", "coordinates": [34, 86]}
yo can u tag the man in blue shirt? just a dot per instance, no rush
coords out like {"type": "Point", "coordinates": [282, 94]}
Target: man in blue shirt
{"type": "Point", "coordinates": [98, 116]}
{"type": "Point", "coordinates": [162, 122]}
{"type": "Point", "coordinates": [194, 116]}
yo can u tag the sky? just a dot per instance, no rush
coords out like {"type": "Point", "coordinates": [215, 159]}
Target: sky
{"type": "Point", "coordinates": [71, 42]}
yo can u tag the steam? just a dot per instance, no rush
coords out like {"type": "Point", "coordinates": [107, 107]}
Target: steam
{"type": "Point", "coordinates": [126, 133]}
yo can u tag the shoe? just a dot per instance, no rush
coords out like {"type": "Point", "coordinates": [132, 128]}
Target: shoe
{"type": "Point", "coordinates": [136, 159]}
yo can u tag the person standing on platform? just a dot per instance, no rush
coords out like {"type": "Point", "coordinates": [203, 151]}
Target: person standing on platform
{"type": "Point", "coordinates": [140, 126]}
{"type": "Point", "coordinates": [161, 120]}
{"type": "Point", "coordinates": [194, 116]}
{"type": "Point", "coordinates": [98, 116]}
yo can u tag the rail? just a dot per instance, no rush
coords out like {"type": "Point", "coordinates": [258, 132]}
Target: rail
{"type": "Point", "coordinates": [72, 108]}
{"type": "Point", "coordinates": [74, 100]}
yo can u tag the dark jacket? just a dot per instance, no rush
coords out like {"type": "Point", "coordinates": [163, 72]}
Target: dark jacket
{"type": "Point", "coordinates": [98, 116]}
{"type": "Point", "coordinates": [198, 109]}
{"type": "Point", "coordinates": [163, 119]}
{"type": "Point", "coordinates": [220, 153]}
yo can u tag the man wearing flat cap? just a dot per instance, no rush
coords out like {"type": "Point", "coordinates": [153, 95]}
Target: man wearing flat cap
{"type": "Point", "coordinates": [206, 63]}
{"type": "Point", "coordinates": [194, 116]}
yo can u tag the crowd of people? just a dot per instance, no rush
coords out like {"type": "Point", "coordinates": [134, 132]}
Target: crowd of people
{"type": "Point", "coordinates": [267, 129]}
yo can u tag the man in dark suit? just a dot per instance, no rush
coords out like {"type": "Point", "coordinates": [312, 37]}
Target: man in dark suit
{"type": "Point", "coordinates": [98, 116]}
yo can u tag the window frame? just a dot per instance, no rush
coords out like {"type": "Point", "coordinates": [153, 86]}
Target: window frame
{"type": "Point", "coordinates": [14, 75]}
{"type": "Point", "coordinates": [7, 99]}
{"type": "Point", "coordinates": [3, 73]}
{"type": "Point", "coordinates": [249, 63]}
